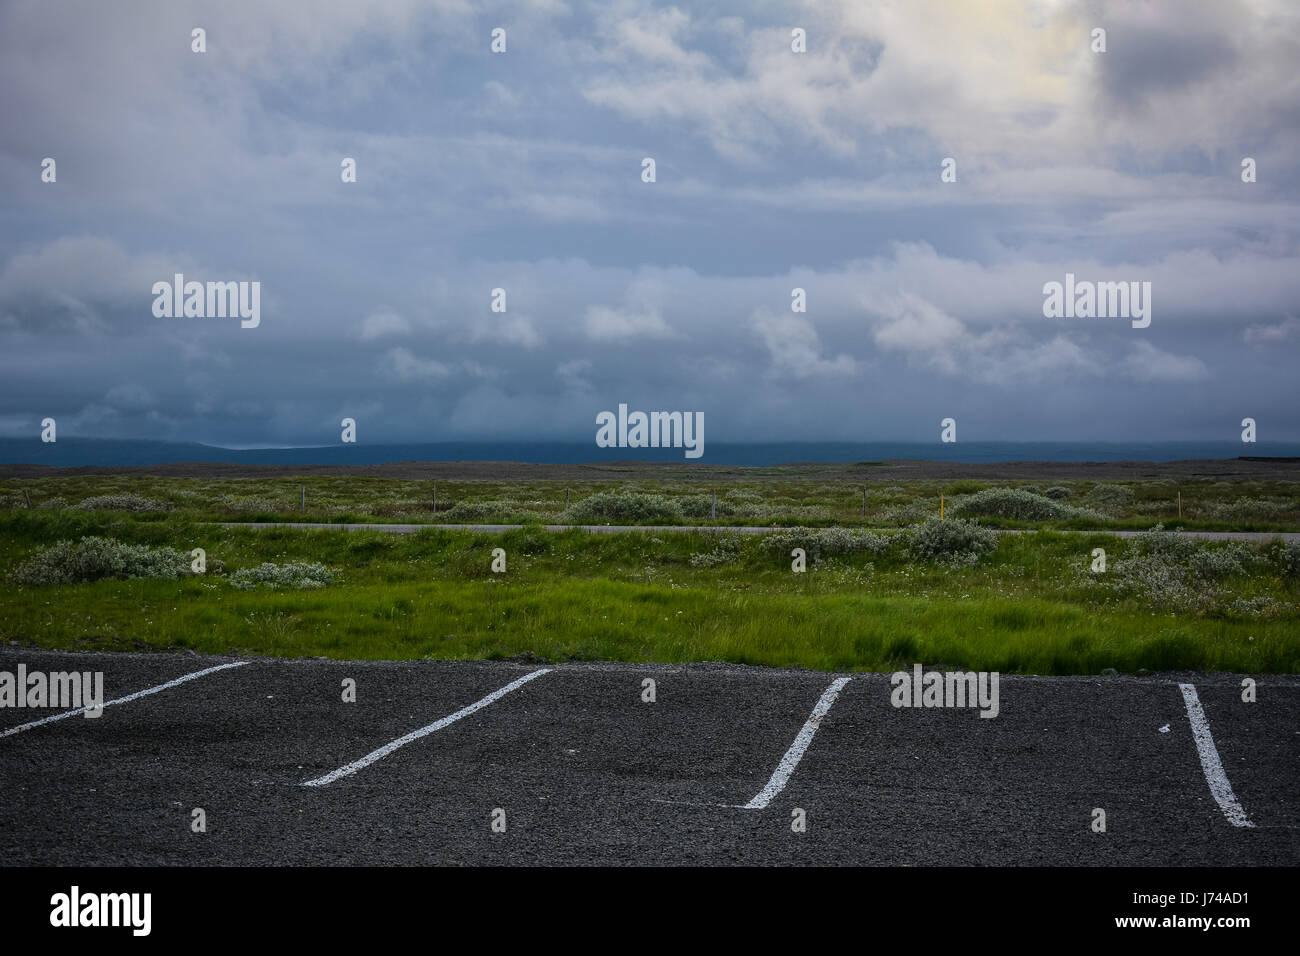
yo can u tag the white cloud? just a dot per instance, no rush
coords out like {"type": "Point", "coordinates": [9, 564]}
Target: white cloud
{"type": "Point", "coordinates": [623, 325]}
{"type": "Point", "coordinates": [795, 348]}
{"type": "Point", "coordinates": [409, 367]}
{"type": "Point", "coordinates": [507, 329]}
{"type": "Point", "coordinates": [1268, 334]}
{"type": "Point", "coordinates": [930, 337]}
{"type": "Point", "coordinates": [911, 324]}
{"type": "Point", "coordinates": [378, 324]}
{"type": "Point", "coordinates": [81, 284]}
{"type": "Point", "coordinates": [1146, 363]}
{"type": "Point", "coordinates": [571, 374]}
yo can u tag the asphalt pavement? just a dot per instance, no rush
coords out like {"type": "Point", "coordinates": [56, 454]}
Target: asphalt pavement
{"type": "Point", "coordinates": [500, 763]}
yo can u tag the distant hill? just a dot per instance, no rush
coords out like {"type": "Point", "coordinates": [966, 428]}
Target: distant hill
{"type": "Point", "coordinates": [81, 452]}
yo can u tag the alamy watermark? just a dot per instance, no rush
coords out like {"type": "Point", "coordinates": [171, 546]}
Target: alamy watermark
{"type": "Point", "coordinates": [651, 430]}
{"type": "Point", "coordinates": [213, 300]}
{"type": "Point", "coordinates": [74, 689]}
{"type": "Point", "coordinates": [75, 908]}
{"type": "Point", "coordinates": [1098, 300]}
{"type": "Point", "coordinates": [923, 688]}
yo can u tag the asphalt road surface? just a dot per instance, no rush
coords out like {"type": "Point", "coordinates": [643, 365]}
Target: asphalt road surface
{"type": "Point", "coordinates": [583, 771]}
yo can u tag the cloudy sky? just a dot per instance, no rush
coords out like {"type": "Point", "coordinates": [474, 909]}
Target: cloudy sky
{"type": "Point", "coordinates": [774, 170]}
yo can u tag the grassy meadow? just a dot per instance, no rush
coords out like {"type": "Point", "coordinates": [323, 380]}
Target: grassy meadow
{"type": "Point", "coordinates": [771, 497]}
{"type": "Point", "coordinates": [948, 593]}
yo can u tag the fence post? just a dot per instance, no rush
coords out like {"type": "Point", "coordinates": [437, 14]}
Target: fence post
{"type": "Point", "coordinates": [304, 499]}
{"type": "Point", "coordinates": [566, 499]}
{"type": "Point", "coordinates": [864, 501]}
{"type": "Point", "coordinates": [941, 506]}
{"type": "Point", "coordinates": [713, 508]}
{"type": "Point", "coordinates": [435, 499]}
{"type": "Point", "coordinates": [1180, 504]}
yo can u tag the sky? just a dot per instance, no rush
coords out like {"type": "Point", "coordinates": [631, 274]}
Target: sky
{"type": "Point", "coordinates": [522, 170]}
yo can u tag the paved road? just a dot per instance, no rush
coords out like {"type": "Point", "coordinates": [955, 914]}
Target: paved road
{"type": "Point", "coordinates": [588, 773]}
{"type": "Point", "coordinates": [617, 528]}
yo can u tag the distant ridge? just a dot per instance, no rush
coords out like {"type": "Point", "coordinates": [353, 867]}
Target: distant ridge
{"type": "Point", "coordinates": [78, 452]}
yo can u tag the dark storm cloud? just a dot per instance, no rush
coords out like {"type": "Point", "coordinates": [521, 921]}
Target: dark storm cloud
{"type": "Point", "coordinates": [522, 171]}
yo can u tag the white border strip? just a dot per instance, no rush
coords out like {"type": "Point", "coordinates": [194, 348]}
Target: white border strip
{"type": "Point", "coordinates": [122, 700]}
{"type": "Point", "coordinates": [1210, 763]}
{"type": "Point", "coordinates": [781, 776]}
{"type": "Point", "coordinates": [388, 748]}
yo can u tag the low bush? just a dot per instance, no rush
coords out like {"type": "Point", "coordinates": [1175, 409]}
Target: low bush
{"type": "Point", "coordinates": [819, 543]}
{"type": "Point", "coordinates": [1286, 555]}
{"type": "Point", "coordinates": [701, 506]}
{"type": "Point", "coordinates": [1012, 503]}
{"type": "Point", "coordinates": [93, 558]}
{"type": "Point", "coordinates": [123, 502]}
{"type": "Point", "coordinates": [233, 505]}
{"type": "Point", "coordinates": [1245, 509]}
{"type": "Point", "coordinates": [1112, 499]}
{"type": "Point", "coordinates": [906, 514]}
{"type": "Point", "coordinates": [951, 543]}
{"type": "Point", "coordinates": [624, 506]}
{"type": "Point", "coordinates": [1167, 570]}
{"type": "Point", "coordinates": [301, 575]}
{"type": "Point", "coordinates": [725, 551]}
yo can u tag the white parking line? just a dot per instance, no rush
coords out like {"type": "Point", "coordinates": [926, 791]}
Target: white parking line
{"type": "Point", "coordinates": [388, 748]}
{"type": "Point", "coordinates": [122, 700]}
{"type": "Point", "coordinates": [1210, 763]}
{"type": "Point", "coordinates": [792, 756]}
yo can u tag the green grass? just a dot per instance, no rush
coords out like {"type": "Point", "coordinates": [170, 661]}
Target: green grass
{"type": "Point", "coordinates": [777, 497]}
{"type": "Point", "coordinates": [1029, 608]}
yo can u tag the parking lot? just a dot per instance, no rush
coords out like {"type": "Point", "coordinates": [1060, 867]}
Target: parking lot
{"type": "Point", "coordinates": [583, 770]}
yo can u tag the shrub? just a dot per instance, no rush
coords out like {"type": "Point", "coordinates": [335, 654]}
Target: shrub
{"type": "Point", "coordinates": [725, 551]}
{"type": "Point", "coordinates": [1261, 606]}
{"type": "Point", "coordinates": [1011, 503]}
{"type": "Point", "coordinates": [700, 506]}
{"type": "Point", "coordinates": [234, 505]}
{"type": "Point", "coordinates": [296, 574]}
{"type": "Point", "coordinates": [475, 512]}
{"type": "Point", "coordinates": [57, 503]}
{"type": "Point", "coordinates": [93, 558]}
{"type": "Point", "coordinates": [122, 502]}
{"type": "Point", "coordinates": [827, 542]}
{"type": "Point", "coordinates": [1287, 557]}
{"type": "Point", "coordinates": [1057, 493]}
{"type": "Point", "coordinates": [1111, 499]}
{"type": "Point", "coordinates": [1245, 508]}
{"type": "Point", "coordinates": [905, 514]}
{"type": "Point", "coordinates": [1169, 570]}
{"type": "Point", "coordinates": [469, 512]}
{"type": "Point", "coordinates": [952, 543]}
{"type": "Point", "coordinates": [624, 506]}
{"type": "Point", "coordinates": [781, 512]}
{"type": "Point", "coordinates": [399, 509]}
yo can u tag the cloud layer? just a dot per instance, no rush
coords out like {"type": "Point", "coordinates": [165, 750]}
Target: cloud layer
{"type": "Point", "coordinates": [775, 170]}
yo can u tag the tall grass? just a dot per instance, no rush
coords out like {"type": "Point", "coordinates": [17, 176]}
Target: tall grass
{"type": "Point", "coordinates": [871, 601]}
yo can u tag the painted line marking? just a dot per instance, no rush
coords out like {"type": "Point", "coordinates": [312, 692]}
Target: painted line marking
{"type": "Point", "coordinates": [123, 700]}
{"type": "Point", "coordinates": [442, 722]}
{"type": "Point", "coordinates": [1210, 763]}
{"type": "Point", "coordinates": [785, 768]}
